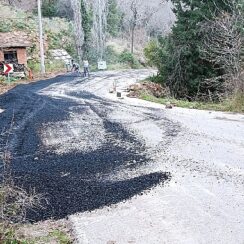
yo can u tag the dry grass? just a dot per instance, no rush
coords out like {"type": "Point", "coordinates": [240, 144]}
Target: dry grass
{"type": "Point", "coordinates": [46, 232]}
{"type": "Point", "coordinates": [235, 104]}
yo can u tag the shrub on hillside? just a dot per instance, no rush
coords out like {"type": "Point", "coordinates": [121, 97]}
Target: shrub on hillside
{"type": "Point", "coordinates": [128, 58]}
{"type": "Point", "coordinates": [111, 55]}
{"type": "Point", "coordinates": [49, 8]}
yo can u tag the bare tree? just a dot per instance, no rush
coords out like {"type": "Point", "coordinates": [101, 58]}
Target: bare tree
{"type": "Point", "coordinates": [79, 35]}
{"type": "Point", "coordinates": [139, 15]}
{"type": "Point", "coordinates": [222, 46]}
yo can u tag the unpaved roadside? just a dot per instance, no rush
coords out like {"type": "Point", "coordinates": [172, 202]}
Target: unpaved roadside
{"type": "Point", "coordinates": [4, 87]}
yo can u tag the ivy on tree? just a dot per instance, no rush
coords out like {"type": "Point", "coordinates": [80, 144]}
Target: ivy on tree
{"type": "Point", "coordinates": [114, 18]}
{"type": "Point", "coordinates": [86, 14]}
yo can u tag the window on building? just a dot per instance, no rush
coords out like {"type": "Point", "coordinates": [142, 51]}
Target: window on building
{"type": "Point", "coordinates": [10, 57]}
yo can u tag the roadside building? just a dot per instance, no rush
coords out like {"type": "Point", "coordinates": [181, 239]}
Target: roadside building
{"type": "Point", "coordinates": [13, 49]}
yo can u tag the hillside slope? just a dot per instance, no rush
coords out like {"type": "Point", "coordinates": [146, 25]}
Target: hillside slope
{"type": "Point", "coordinates": [58, 31]}
{"type": "Point", "coordinates": [21, 4]}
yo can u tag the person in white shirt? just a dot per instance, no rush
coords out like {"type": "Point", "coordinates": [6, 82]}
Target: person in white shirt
{"type": "Point", "coordinates": [86, 68]}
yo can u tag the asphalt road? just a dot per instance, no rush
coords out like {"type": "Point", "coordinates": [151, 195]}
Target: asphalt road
{"type": "Point", "coordinates": [63, 148]}
{"type": "Point", "coordinates": [125, 170]}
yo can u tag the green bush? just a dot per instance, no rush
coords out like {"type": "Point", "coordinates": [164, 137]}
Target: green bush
{"type": "Point", "coordinates": [34, 66]}
{"type": "Point", "coordinates": [51, 66]}
{"type": "Point", "coordinates": [151, 53]}
{"type": "Point", "coordinates": [179, 56]}
{"type": "Point", "coordinates": [128, 58]}
{"type": "Point", "coordinates": [236, 104]}
{"type": "Point", "coordinates": [114, 18]}
{"type": "Point", "coordinates": [157, 55]}
{"type": "Point", "coordinates": [54, 65]}
{"type": "Point", "coordinates": [2, 79]}
{"type": "Point", "coordinates": [49, 8]}
{"type": "Point", "coordinates": [5, 26]}
{"type": "Point", "coordinates": [111, 55]}
{"type": "Point", "coordinates": [62, 39]}
{"type": "Point", "coordinates": [20, 26]}
{"type": "Point", "coordinates": [157, 79]}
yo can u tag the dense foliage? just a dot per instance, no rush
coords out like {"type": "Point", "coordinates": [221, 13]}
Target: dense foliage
{"type": "Point", "coordinates": [86, 14]}
{"type": "Point", "coordinates": [114, 18]}
{"type": "Point", "coordinates": [179, 56]}
{"type": "Point", "coordinates": [128, 58]}
{"type": "Point", "coordinates": [49, 8]}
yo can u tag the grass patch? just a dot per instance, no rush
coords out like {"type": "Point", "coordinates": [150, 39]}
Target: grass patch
{"type": "Point", "coordinates": [118, 66]}
{"type": "Point", "coordinates": [60, 236]}
{"type": "Point", "coordinates": [5, 81]}
{"type": "Point", "coordinates": [56, 65]}
{"type": "Point", "coordinates": [236, 104]}
{"type": "Point", "coordinates": [12, 234]}
{"type": "Point", "coordinates": [51, 66]}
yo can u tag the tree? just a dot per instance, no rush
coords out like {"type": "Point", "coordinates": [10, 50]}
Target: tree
{"type": "Point", "coordinates": [49, 8]}
{"type": "Point", "coordinates": [79, 35]}
{"type": "Point", "coordinates": [114, 18]}
{"type": "Point", "coordinates": [222, 46]}
{"type": "Point", "coordinates": [64, 9]}
{"type": "Point", "coordinates": [86, 15]}
{"type": "Point", "coordinates": [140, 16]}
{"type": "Point", "coordinates": [186, 69]}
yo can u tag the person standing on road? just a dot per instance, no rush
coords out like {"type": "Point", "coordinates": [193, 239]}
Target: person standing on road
{"type": "Point", "coordinates": [86, 68]}
{"type": "Point", "coordinates": [68, 65]}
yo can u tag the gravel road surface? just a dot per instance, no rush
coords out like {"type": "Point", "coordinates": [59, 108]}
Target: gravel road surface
{"type": "Point", "coordinates": [125, 170]}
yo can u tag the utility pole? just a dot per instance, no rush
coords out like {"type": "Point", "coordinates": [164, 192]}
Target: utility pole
{"type": "Point", "coordinates": [41, 38]}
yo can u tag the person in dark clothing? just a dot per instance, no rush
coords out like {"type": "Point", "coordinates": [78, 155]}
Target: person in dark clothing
{"type": "Point", "coordinates": [75, 66]}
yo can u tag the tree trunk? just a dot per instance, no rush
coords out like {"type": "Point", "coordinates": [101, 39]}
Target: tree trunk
{"type": "Point", "coordinates": [132, 39]}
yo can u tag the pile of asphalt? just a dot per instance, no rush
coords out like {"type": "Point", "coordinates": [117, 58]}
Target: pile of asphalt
{"type": "Point", "coordinates": [71, 182]}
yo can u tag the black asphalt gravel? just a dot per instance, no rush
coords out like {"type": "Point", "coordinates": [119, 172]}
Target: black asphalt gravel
{"type": "Point", "coordinates": [72, 182]}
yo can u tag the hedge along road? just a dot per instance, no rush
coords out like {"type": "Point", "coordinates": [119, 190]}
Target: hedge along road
{"type": "Point", "coordinates": [148, 175]}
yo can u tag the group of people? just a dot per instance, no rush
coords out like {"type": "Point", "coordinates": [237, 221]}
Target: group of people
{"type": "Point", "coordinates": [75, 67]}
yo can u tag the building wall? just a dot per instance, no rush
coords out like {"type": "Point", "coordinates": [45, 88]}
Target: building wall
{"type": "Point", "coordinates": [1, 56]}
{"type": "Point", "coordinates": [22, 56]}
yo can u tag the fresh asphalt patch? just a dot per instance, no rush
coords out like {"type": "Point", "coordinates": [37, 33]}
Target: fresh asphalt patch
{"type": "Point", "coordinates": [73, 181]}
